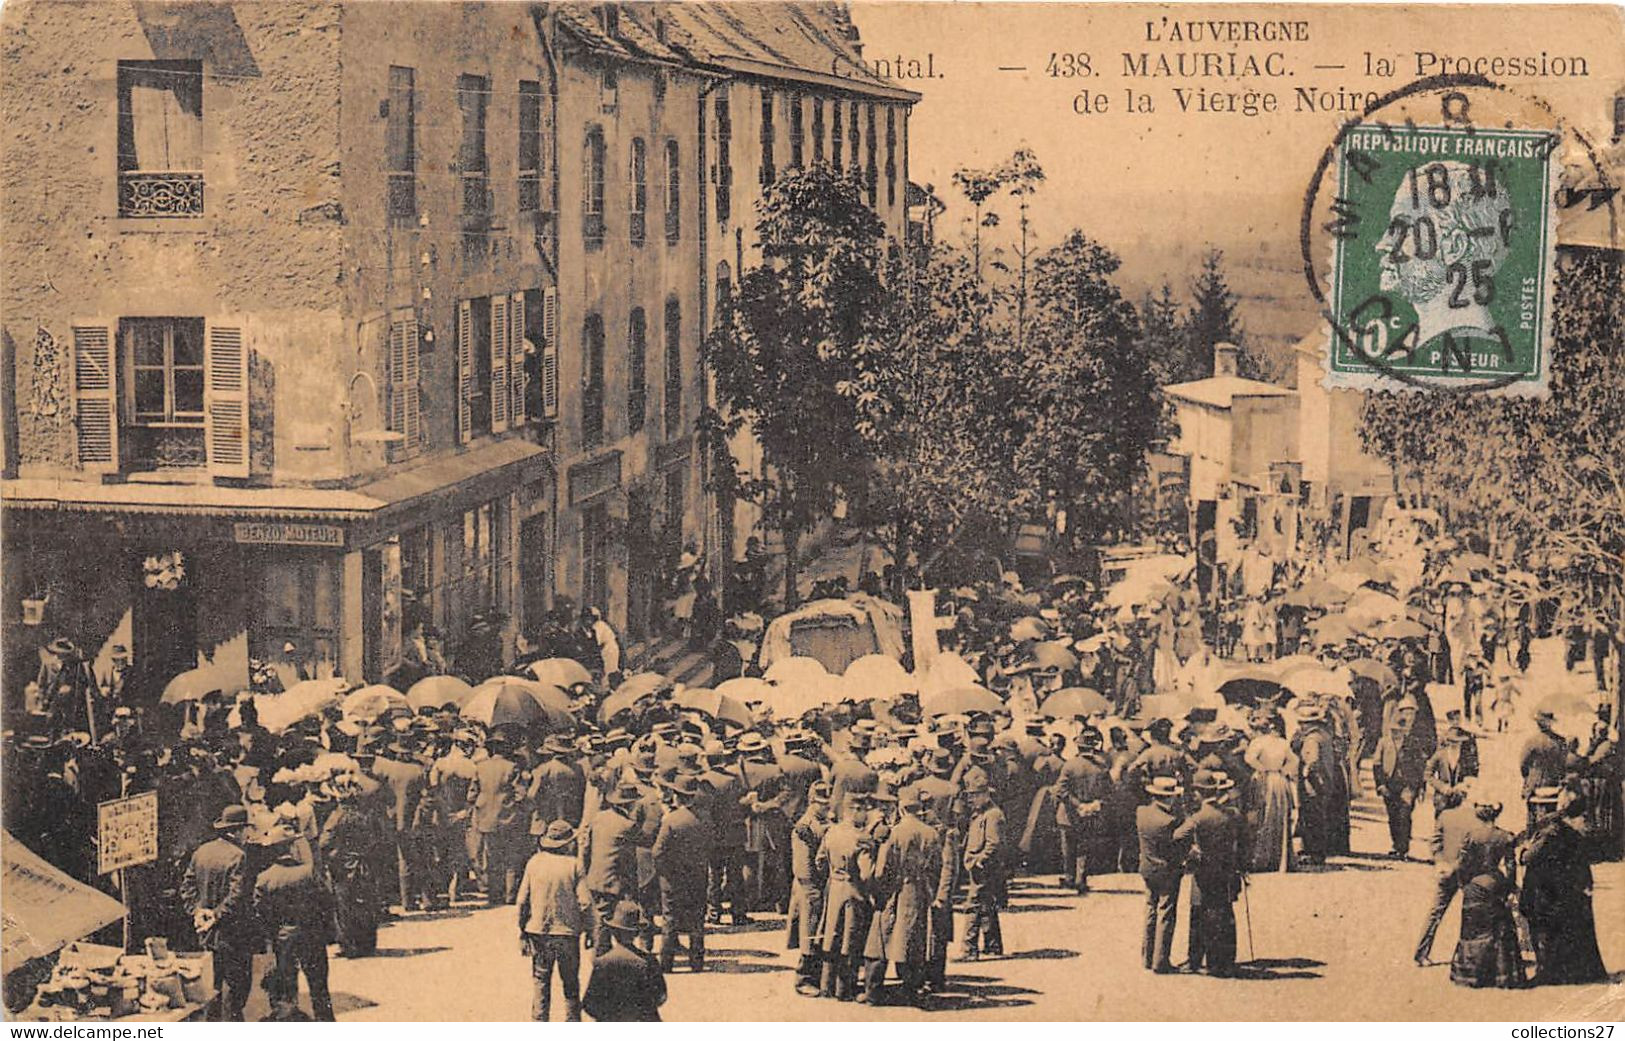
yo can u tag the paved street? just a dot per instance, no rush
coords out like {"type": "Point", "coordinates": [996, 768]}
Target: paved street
{"type": "Point", "coordinates": [1325, 944]}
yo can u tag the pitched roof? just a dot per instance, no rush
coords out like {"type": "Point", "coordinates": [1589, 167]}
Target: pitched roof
{"type": "Point", "coordinates": [806, 42]}
{"type": "Point", "coordinates": [1221, 391]}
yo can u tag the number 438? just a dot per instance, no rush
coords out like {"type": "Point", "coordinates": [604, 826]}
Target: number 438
{"type": "Point", "coordinates": [1068, 65]}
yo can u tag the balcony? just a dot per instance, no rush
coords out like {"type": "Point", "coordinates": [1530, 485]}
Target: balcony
{"type": "Point", "coordinates": [160, 193]}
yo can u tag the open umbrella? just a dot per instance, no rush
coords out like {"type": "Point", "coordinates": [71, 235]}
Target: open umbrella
{"type": "Point", "coordinates": [1368, 607]}
{"type": "Point", "coordinates": [633, 690]}
{"type": "Point", "coordinates": [1402, 629]}
{"type": "Point", "coordinates": [1561, 705]}
{"type": "Point", "coordinates": [189, 686]}
{"type": "Point", "coordinates": [1317, 592]}
{"type": "Point", "coordinates": [715, 704]}
{"type": "Point", "coordinates": [373, 701]}
{"type": "Point", "coordinates": [877, 675]}
{"type": "Point", "coordinates": [1474, 561]}
{"type": "Point", "coordinates": [438, 691]}
{"type": "Point", "coordinates": [746, 689]}
{"type": "Point", "coordinates": [1251, 688]}
{"type": "Point", "coordinates": [1074, 701]}
{"type": "Point", "coordinates": [1054, 656]}
{"type": "Point", "coordinates": [1376, 671]}
{"type": "Point", "coordinates": [964, 699]}
{"type": "Point", "coordinates": [559, 672]}
{"type": "Point", "coordinates": [546, 693]}
{"type": "Point", "coordinates": [304, 699]}
{"type": "Point", "coordinates": [1333, 629]}
{"type": "Point", "coordinates": [1029, 628]}
{"type": "Point", "coordinates": [1314, 679]}
{"type": "Point", "coordinates": [798, 668]}
{"type": "Point", "coordinates": [504, 702]}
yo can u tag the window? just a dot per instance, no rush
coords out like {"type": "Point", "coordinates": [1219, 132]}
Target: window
{"type": "Point", "coordinates": [400, 144]}
{"type": "Point", "coordinates": [479, 401]}
{"type": "Point", "coordinates": [163, 392]}
{"type": "Point", "coordinates": [299, 604]}
{"type": "Point", "coordinates": [638, 176]}
{"type": "Point", "coordinates": [852, 136]}
{"type": "Point", "coordinates": [674, 193]}
{"type": "Point", "coordinates": [818, 130]}
{"type": "Point", "coordinates": [592, 381]}
{"type": "Point", "coordinates": [160, 139]}
{"type": "Point", "coordinates": [870, 174]}
{"type": "Point", "coordinates": [405, 403]}
{"type": "Point", "coordinates": [725, 287]}
{"type": "Point", "coordinates": [473, 98]}
{"type": "Point", "coordinates": [418, 587]}
{"type": "Point", "coordinates": [609, 91]}
{"type": "Point", "coordinates": [768, 172]}
{"type": "Point", "coordinates": [595, 549]}
{"type": "Point", "coordinates": [530, 146]}
{"type": "Point", "coordinates": [796, 144]}
{"type": "Point", "coordinates": [724, 170]}
{"type": "Point", "coordinates": [891, 156]}
{"type": "Point", "coordinates": [836, 139]}
{"type": "Point", "coordinates": [674, 367]}
{"type": "Point", "coordinates": [592, 190]}
{"type": "Point", "coordinates": [637, 364]}
{"type": "Point", "coordinates": [481, 556]}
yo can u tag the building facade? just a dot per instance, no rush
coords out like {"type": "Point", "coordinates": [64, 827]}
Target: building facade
{"type": "Point", "coordinates": [277, 329]}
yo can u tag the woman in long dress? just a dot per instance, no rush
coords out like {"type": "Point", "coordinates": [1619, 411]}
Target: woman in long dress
{"type": "Point", "coordinates": [1556, 900]}
{"type": "Point", "coordinates": [1271, 799]}
{"type": "Point", "coordinates": [1487, 954]}
{"type": "Point", "coordinates": [347, 845]}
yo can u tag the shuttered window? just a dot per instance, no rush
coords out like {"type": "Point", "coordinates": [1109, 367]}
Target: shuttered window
{"type": "Point", "coordinates": [592, 190]}
{"type": "Point", "coordinates": [530, 146]}
{"type": "Point", "coordinates": [769, 170]}
{"type": "Point", "coordinates": [637, 370]}
{"type": "Point", "coordinates": [226, 399]}
{"type": "Point", "coordinates": [524, 349]}
{"type": "Point", "coordinates": [674, 193]}
{"type": "Point", "coordinates": [818, 130]}
{"type": "Point", "coordinates": [870, 172]}
{"type": "Point", "coordinates": [797, 145]}
{"type": "Point", "coordinates": [400, 144]}
{"type": "Point", "coordinates": [637, 176]}
{"type": "Point", "coordinates": [724, 167]}
{"type": "Point", "coordinates": [95, 396]}
{"type": "Point", "coordinates": [405, 394]}
{"type": "Point", "coordinates": [501, 345]}
{"type": "Point", "coordinates": [891, 155]}
{"type": "Point", "coordinates": [465, 371]}
{"type": "Point", "coordinates": [550, 353]}
{"type": "Point", "coordinates": [836, 137]}
{"type": "Point", "coordinates": [674, 367]}
{"type": "Point", "coordinates": [592, 381]}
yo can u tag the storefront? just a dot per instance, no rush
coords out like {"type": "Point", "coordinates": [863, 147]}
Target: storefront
{"type": "Point", "coordinates": [313, 582]}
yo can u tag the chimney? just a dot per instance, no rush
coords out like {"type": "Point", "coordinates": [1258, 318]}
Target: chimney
{"type": "Point", "coordinates": [1224, 359]}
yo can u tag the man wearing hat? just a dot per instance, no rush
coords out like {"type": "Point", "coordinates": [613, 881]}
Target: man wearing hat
{"type": "Point", "coordinates": [1160, 757]}
{"type": "Point", "coordinates": [845, 859]}
{"type": "Point", "coordinates": [1163, 846]}
{"type": "Point", "coordinates": [294, 909]}
{"type": "Point", "coordinates": [767, 829]}
{"type": "Point", "coordinates": [626, 984]}
{"type": "Point", "coordinates": [556, 789]}
{"type": "Point", "coordinates": [1450, 771]}
{"type": "Point", "coordinates": [849, 774]}
{"type": "Point", "coordinates": [218, 892]}
{"type": "Point", "coordinates": [405, 781]}
{"type": "Point", "coordinates": [1317, 761]}
{"type": "Point", "coordinates": [807, 886]}
{"type": "Point", "coordinates": [609, 855]}
{"type": "Point", "coordinates": [450, 837]}
{"type": "Point", "coordinates": [1452, 817]}
{"type": "Point", "coordinates": [491, 797]}
{"type": "Point", "coordinates": [1218, 853]}
{"type": "Point", "coordinates": [553, 901]}
{"type": "Point", "coordinates": [724, 790]}
{"type": "Point", "coordinates": [682, 854]}
{"type": "Point", "coordinates": [1398, 770]}
{"type": "Point", "coordinates": [909, 869]}
{"type": "Point", "coordinates": [1081, 793]}
{"type": "Point", "coordinates": [983, 860]}
{"type": "Point", "coordinates": [115, 678]}
{"type": "Point", "coordinates": [1543, 758]}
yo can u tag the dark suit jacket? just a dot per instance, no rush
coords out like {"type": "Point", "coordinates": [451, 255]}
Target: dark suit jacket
{"type": "Point", "coordinates": [217, 879]}
{"type": "Point", "coordinates": [682, 856]}
{"type": "Point", "coordinates": [610, 853]}
{"type": "Point", "coordinates": [1163, 845]}
{"type": "Point", "coordinates": [626, 987]}
{"type": "Point", "coordinates": [556, 792]}
{"type": "Point", "coordinates": [490, 793]}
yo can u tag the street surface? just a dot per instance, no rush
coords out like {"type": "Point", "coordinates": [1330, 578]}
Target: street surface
{"type": "Point", "coordinates": [1334, 944]}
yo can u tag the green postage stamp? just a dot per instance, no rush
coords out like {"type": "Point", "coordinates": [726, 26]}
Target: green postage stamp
{"type": "Point", "coordinates": [1442, 259]}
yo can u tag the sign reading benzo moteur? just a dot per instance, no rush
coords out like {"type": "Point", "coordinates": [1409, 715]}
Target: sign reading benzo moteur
{"type": "Point", "coordinates": [276, 533]}
{"type": "Point", "coordinates": [127, 832]}
{"type": "Point", "coordinates": [1442, 267]}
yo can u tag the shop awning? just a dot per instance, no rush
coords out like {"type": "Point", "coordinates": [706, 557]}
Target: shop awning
{"type": "Point", "coordinates": [45, 909]}
{"type": "Point", "coordinates": [484, 468]}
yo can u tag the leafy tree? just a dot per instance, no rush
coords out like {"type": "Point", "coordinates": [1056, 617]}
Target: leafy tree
{"type": "Point", "coordinates": [1084, 388]}
{"type": "Point", "coordinates": [1545, 475]}
{"type": "Point", "coordinates": [1023, 176]}
{"type": "Point", "coordinates": [792, 334]}
{"type": "Point", "coordinates": [978, 186]}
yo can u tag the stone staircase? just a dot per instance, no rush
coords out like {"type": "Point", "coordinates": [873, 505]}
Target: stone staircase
{"type": "Point", "coordinates": [672, 658]}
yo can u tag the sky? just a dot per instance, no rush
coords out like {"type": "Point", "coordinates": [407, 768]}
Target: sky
{"type": "Point", "coordinates": [1160, 188]}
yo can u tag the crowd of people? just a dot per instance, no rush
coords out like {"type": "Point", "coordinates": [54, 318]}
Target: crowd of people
{"type": "Point", "coordinates": [885, 832]}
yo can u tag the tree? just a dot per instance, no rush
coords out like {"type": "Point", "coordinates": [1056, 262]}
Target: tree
{"type": "Point", "coordinates": [1545, 475]}
{"type": "Point", "coordinates": [791, 335]}
{"type": "Point", "coordinates": [1084, 390]}
{"type": "Point", "coordinates": [978, 186]}
{"type": "Point", "coordinates": [1212, 318]}
{"type": "Point", "coordinates": [1022, 175]}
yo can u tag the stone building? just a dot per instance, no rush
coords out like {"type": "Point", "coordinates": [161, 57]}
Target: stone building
{"type": "Point", "coordinates": [277, 323]}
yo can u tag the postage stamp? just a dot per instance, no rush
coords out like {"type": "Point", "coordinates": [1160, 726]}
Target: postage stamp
{"type": "Point", "coordinates": [1443, 259]}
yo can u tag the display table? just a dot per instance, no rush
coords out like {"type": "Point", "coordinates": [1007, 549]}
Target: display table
{"type": "Point", "coordinates": [97, 982]}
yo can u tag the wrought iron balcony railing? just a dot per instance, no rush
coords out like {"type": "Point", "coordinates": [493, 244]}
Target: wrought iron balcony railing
{"type": "Point", "coordinates": [160, 193]}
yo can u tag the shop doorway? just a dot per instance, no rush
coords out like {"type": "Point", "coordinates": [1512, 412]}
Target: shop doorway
{"type": "Point", "coordinates": [534, 561]}
{"type": "Point", "coordinates": [164, 628]}
{"type": "Point", "coordinates": [640, 565]}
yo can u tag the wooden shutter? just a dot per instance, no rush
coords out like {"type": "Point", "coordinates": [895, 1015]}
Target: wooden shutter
{"type": "Point", "coordinates": [225, 398]}
{"type": "Point", "coordinates": [465, 371]}
{"type": "Point", "coordinates": [550, 352]}
{"type": "Point", "coordinates": [405, 395]}
{"type": "Point", "coordinates": [397, 376]}
{"type": "Point", "coordinates": [501, 350]}
{"type": "Point", "coordinates": [413, 428]}
{"type": "Point", "coordinates": [517, 372]}
{"type": "Point", "coordinates": [95, 396]}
